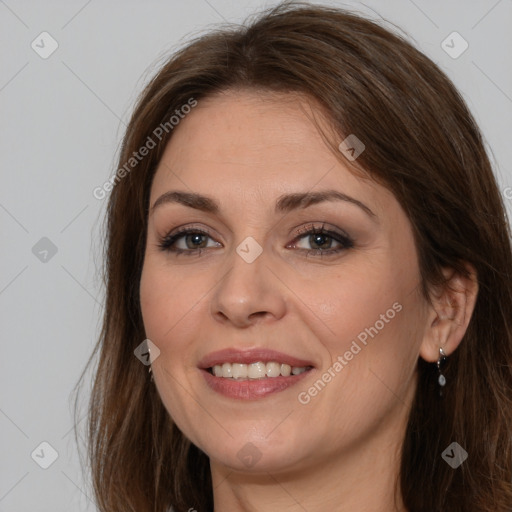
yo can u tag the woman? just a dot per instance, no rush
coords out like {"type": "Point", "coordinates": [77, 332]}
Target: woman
{"type": "Point", "coordinates": [309, 256]}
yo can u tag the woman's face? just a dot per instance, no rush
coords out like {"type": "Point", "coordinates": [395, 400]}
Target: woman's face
{"type": "Point", "coordinates": [251, 277]}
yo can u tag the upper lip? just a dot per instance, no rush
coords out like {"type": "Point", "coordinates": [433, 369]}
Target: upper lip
{"type": "Point", "coordinates": [248, 356]}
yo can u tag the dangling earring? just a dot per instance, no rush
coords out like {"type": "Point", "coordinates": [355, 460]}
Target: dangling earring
{"type": "Point", "coordinates": [441, 379]}
{"type": "Point", "coordinates": [150, 371]}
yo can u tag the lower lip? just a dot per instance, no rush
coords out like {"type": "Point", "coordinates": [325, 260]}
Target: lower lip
{"type": "Point", "coordinates": [251, 389]}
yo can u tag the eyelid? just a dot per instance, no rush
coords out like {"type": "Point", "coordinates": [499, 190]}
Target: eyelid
{"type": "Point", "coordinates": [187, 228]}
{"type": "Point", "coordinates": [324, 228]}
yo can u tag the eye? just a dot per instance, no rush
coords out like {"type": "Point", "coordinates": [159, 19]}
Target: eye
{"type": "Point", "coordinates": [321, 241]}
{"type": "Point", "coordinates": [187, 241]}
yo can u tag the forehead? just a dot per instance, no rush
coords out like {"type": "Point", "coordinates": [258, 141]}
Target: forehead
{"type": "Point", "coordinates": [254, 143]}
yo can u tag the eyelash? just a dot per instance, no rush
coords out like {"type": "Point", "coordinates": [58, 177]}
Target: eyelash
{"type": "Point", "coordinates": [346, 241]}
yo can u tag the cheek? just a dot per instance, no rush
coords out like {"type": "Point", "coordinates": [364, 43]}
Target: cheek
{"type": "Point", "coordinates": [174, 303]}
{"type": "Point", "coordinates": [165, 308]}
{"type": "Point", "coordinates": [154, 302]}
{"type": "Point", "coordinates": [373, 314]}
{"type": "Point", "coordinates": [347, 305]}
{"type": "Point", "coordinates": [161, 305]}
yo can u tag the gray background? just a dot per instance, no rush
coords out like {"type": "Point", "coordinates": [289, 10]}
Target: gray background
{"type": "Point", "coordinates": [62, 121]}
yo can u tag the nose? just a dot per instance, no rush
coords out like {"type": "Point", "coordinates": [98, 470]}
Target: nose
{"type": "Point", "coordinates": [248, 293]}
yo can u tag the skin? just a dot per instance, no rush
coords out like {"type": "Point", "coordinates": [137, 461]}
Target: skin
{"type": "Point", "coordinates": [341, 449]}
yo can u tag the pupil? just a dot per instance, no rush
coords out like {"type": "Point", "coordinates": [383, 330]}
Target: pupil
{"type": "Point", "coordinates": [196, 239]}
{"type": "Point", "coordinates": [320, 239]}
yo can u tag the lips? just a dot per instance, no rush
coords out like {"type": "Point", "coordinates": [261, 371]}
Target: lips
{"type": "Point", "coordinates": [252, 388]}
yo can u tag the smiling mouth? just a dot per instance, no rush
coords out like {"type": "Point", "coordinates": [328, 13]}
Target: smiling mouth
{"type": "Point", "coordinates": [256, 371]}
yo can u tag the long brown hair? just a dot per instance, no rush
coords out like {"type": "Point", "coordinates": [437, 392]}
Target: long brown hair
{"type": "Point", "coordinates": [422, 143]}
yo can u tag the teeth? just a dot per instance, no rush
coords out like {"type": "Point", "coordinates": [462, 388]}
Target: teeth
{"type": "Point", "coordinates": [273, 369]}
{"type": "Point", "coordinates": [226, 370]}
{"type": "Point", "coordinates": [239, 370]}
{"type": "Point", "coordinates": [256, 370]}
{"type": "Point", "coordinates": [286, 370]}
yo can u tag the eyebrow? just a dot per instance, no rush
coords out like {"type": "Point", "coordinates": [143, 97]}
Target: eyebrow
{"type": "Point", "coordinates": [284, 203]}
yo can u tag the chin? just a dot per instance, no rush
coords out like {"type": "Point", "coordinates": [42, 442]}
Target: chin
{"type": "Point", "coordinates": [255, 452]}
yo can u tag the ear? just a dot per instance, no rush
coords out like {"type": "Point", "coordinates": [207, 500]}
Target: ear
{"type": "Point", "coordinates": [449, 315]}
